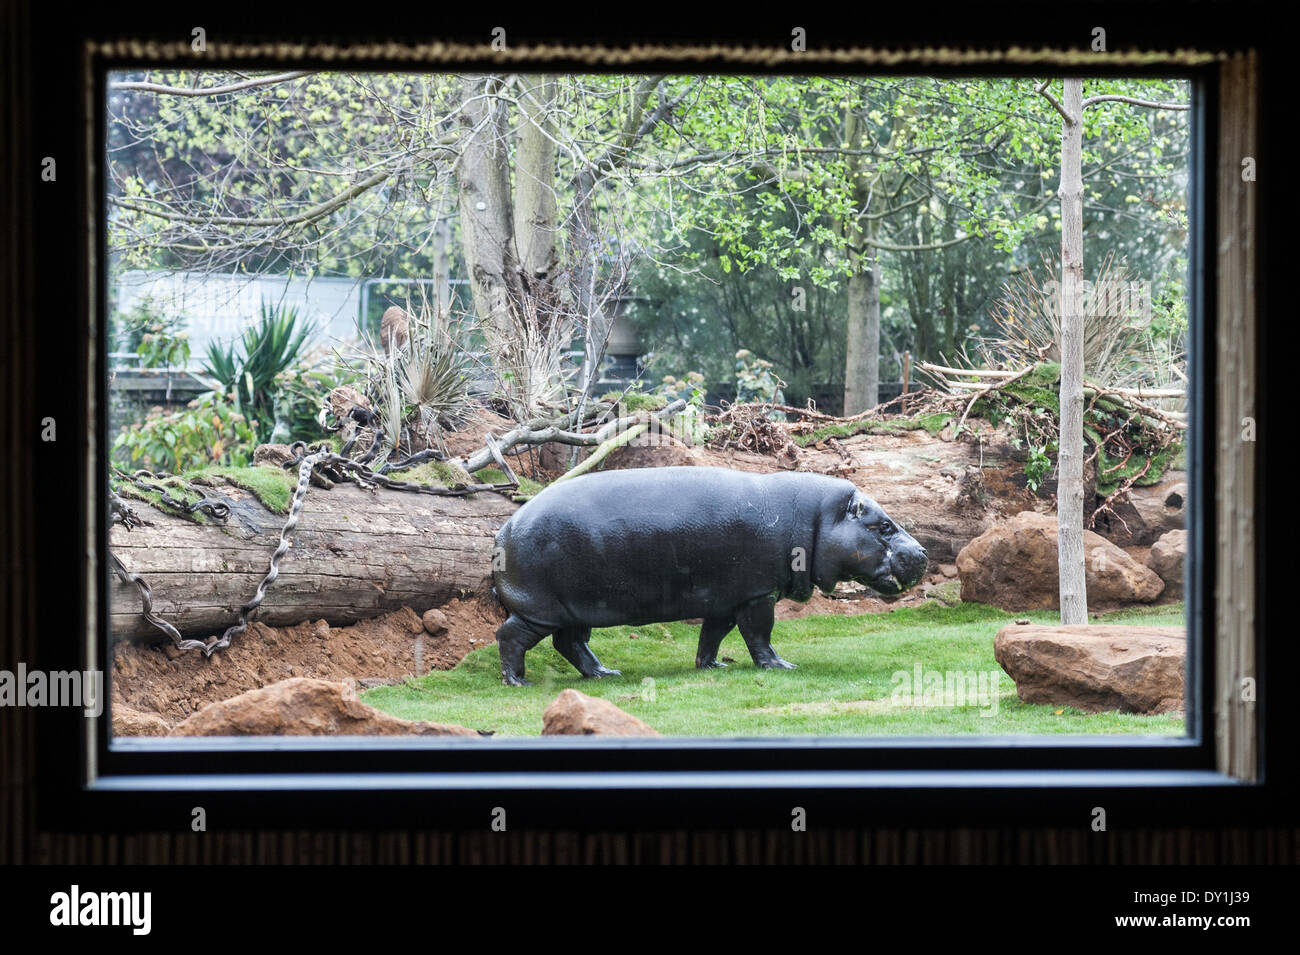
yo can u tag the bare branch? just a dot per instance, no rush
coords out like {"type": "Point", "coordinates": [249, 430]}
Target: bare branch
{"type": "Point", "coordinates": [315, 212]}
{"type": "Point", "coordinates": [210, 90]}
{"type": "Point", "coordinates": [1041, 89]}
{"type": "Point", "coordinates": [1133, 101]}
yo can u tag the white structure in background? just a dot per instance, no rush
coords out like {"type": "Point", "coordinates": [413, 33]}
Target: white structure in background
{"type": "Point", "coordinates": [220, 307]}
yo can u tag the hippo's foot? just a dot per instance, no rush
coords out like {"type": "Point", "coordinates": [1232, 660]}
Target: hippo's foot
{"type": "Point", "coordinates": [509, 679]}
{"type": "Point", "coordinates": [713, 664]}
{"type": "Point", "coordinates": [776, 663]}
{"type": "Point", "coordinates": [601, 671]}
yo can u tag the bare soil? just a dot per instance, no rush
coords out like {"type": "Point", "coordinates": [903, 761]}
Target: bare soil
{"type": "Point", "coordinates": [173, 685]}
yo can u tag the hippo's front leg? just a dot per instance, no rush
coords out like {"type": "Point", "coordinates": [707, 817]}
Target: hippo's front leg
{"type": "Point", "coordinates": [755, 621]}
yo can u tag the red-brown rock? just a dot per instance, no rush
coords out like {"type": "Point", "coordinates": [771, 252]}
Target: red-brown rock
{"type": "Point", "coordinates": [1167, 558]}
{"type": "Point", "coordinates": [132, 722]}
{"type": "Point", "coordinates": [1148, 512]}
{"type": "Point", "coordinates": [305, 707]}
{"type": "Point", "coordinates": [577, 714]}
{"type": "Point", "coordinates": [1014, 566]}
{"type": "Point", "coordinates": [1096, 668]}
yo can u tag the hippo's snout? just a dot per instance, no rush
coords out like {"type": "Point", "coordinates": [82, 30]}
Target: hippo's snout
{"type": "Point", "coordinates": [909, 563]}
{"type": "Point", "coordinates": [905, 564]}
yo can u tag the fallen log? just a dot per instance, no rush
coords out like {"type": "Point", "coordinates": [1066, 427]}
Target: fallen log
{"type": "Point", "coordinates": [355, 554]}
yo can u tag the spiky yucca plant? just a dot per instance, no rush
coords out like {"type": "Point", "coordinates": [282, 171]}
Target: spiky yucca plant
{"type": "Point", "coordinates": [1029, 325]}
{"type": "Point", "coordinates": [528, 359]}
{"type": "Point", "coordinates": [421, 387]}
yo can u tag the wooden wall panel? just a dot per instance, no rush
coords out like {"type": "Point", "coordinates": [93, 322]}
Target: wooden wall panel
{"type": "Point", "coordinates": [1236, 732]}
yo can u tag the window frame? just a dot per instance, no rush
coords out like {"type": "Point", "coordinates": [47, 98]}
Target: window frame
{"type": "Point", "coordinates": [274, 783]}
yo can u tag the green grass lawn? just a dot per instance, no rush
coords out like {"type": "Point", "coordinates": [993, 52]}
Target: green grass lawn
{"type": "Point", "coordinates": [844, 684]}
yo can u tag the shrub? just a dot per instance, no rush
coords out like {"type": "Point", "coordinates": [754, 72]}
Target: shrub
{"type": "Point", "coordinates": [247, 370]}
{"type": "Point", "coordinates": [208, 431]}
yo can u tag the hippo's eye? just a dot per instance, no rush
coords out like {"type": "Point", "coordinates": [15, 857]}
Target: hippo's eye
{"type": "Point", "coordinates": [886, 528]}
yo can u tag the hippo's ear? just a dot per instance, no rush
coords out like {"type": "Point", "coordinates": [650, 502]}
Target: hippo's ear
{"type": "Point", "coordinates": [859, 504]}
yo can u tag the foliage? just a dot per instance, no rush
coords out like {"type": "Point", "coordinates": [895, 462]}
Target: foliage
{"type": "Point", "coordinates": [421, 388]}
{"type": "Point", "coordinates": [755, 382]}
{"type": "Point", "coordinates": [158, 338]}
{"type": "Point", "coordinates": [433, 385]}
{"type": "Point", "coordinates": [1038, 466]}
{"type": "Point", "coordinates": [688, 423]}
{"type": "Point", "coordinates": [742, 192]}
{"type": "Point", "coordinates": [1129, 447]}
{"type": "Point", "coordinates": [207, 431]}
{"type": "Point", "coordinates": [964, 169]}
{"type": "Point", "coordinates": [248, 369]}
{"type": "Point", "coordinates": [300, 390]}
{"type": "Point", "coordinates": [528, 360]}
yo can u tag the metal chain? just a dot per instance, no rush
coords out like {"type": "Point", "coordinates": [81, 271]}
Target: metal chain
{"type": "Point", "coordinates": [217, 510]}
{"type": "Point", "coordinates": [121, 513]}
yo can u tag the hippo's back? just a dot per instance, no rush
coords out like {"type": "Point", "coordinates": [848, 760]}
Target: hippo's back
{"type": "Point", "coordinates": [653, 544]}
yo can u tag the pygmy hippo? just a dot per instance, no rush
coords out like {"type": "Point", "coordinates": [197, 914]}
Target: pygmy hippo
{"type": "Point", "coordinates": [652, 545]}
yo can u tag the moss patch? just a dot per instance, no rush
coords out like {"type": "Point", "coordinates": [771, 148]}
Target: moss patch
{"type": "Point", "coordinates": [1040, 388]}
{"type": "Point", "coordinates": [1111, 472]}
{"type": "Point", "coordinates": [442, 473]}
{"type": "Point", "coordinates": [635, 401]}
{"type": "Point", "coordinates": [272, 486]}
{"type": "Point", "coordinates": [933, 423]}
{"type": "Point", "coordinates": [528, 488]}
{"type": "Point", "coordinates": [175, 488]}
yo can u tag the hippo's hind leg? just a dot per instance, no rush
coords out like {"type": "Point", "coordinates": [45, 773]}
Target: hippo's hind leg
{"type": "Point", "coordinates": [711, 633]}
{"type": "Point", "coordinates": [572, 644]}
{"type": "Point", "coordinates": [755, 621]}
{"type": "Point", "coordinates": [516, 637]}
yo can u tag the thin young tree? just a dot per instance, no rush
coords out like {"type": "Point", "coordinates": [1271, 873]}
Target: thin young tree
{"type": "Point", "coordinates": [1071, 559]}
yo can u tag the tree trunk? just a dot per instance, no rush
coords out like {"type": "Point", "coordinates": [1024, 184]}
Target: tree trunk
{"type": "Point", "coordinates": [355, 554]}
{"type": "Point", "coordinates": [862, 342]}
{"type": "Point", "coordinates": [486, 220]}
{"type": "Point", "coordinates": [862, 347]}
{"type": "Point", "coordinates": [535, 206]}
{"type": "Point", "coordinates": [1069, 506]}
{"type": "Point", "coordinates": [442, 270]}
{"type": "Point", "coordinates": [585, 245]}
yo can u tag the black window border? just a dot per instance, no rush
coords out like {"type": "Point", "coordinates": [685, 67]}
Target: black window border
{"type": "Point", "coordinates": [274, 784]}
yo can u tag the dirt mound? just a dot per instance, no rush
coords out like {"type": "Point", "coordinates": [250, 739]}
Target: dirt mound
{"type": "Point", "coordinates": [664, 451]}
{"type": "Point", "coordinates": [469, 438]}
{"type": "Point", "coordinates": [173, 685]}
{"type": "Point", "coordinates": [850, 599]}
